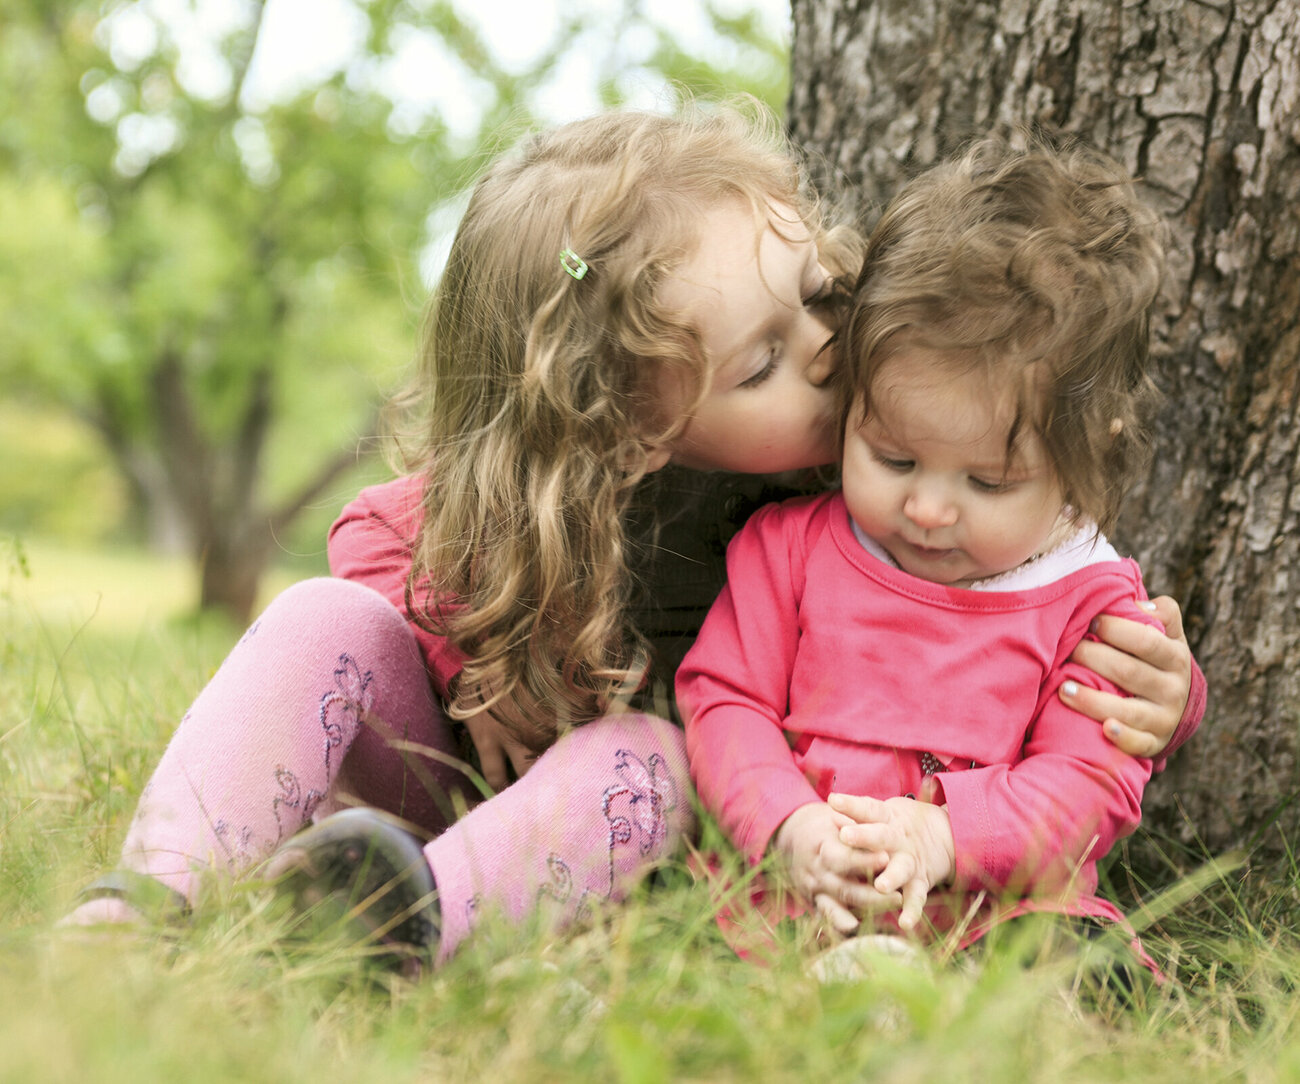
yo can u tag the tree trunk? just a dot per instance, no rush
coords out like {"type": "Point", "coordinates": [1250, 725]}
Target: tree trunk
{"type": "Point", "coordinates": [203, 496]}
{"type": "Point", "coordinates": [231, 565]}
{"type": "Point", "coordinates": [1203, 102]}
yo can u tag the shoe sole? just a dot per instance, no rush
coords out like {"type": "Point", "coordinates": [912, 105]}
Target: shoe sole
{"type": "Point", "coordinates": [363, 873]}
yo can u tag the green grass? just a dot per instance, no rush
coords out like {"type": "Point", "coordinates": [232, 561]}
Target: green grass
{"type": "Point", "coordinates": [650, 993]}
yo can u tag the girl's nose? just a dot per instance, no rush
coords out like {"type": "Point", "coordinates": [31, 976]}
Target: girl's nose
{"type": "Point", "coordinates": [824, 353]}
{"type": "Point", "coordinates": [929, 508]}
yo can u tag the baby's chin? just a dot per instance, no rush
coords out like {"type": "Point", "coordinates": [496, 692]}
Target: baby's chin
{"type": "Point", "coordinates": [931, 568]}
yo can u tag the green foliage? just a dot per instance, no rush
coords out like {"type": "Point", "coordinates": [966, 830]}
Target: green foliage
{"type": "Point", "coordinates": [223, 287]}
{"type": "Point", "coordinates": [760, 66]}
{"type": "Point", "coordinates": [53, 479]}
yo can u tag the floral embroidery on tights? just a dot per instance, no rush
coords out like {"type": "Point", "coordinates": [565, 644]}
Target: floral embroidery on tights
{"type": "Point", "coordinates": [339, 714]}
{"type": "Point", "coordinates": [635, 808]}
{"type": "Point", "coordinates": [343, 707]}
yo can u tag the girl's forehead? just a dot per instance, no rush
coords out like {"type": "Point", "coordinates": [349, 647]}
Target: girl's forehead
{"type": "Point", "coordinates": [741, 258]}
{"type": "Point", "coordinates": [741, 222]}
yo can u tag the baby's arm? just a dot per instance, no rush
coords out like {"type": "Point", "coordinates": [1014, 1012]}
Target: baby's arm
{"type": "Point", "coordinates": [1025, 825]}
{"type": "Point", "coordinates": [1070, 797]}
{"type": "Point", "coordinates": [733, 689]}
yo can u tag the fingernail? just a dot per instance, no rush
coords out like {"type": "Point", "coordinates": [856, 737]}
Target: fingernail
{"type": "Point", "coordinates": [1112, 728]}
{"type": "Point", "coordinates": [1148, 605]}
{"type": "Point", "coordinates": [1069, 688]}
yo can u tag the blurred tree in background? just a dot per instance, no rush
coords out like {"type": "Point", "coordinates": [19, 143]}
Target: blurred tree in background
{"type": "Point", "coordinates": [223, 284]}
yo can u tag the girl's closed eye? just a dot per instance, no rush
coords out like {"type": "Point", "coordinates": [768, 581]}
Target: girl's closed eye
{"type": "Point", "coordinates": [822, 292]}
{"type": "Point", "coordinates": [768, 368]}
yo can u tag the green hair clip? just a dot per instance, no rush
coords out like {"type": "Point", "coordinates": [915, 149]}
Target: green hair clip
{"type": "Point", "coordinates": [574, 264]}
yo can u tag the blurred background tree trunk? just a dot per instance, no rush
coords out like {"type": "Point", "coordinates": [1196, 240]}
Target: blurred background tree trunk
{"type": "Point", "coordinates": [1202, 101]}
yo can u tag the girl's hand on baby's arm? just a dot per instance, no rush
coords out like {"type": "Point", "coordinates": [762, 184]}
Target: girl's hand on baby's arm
{"type": "Point", "coordinates": [916, 836]}
{"type": "Point", "coordinates": [834, 876]}
{"type": "Point", "coordinates": [1154, 669]}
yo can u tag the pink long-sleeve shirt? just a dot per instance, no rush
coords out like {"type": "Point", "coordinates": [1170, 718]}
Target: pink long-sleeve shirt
{"type": "Point", "coordinates": [823, 668]}
{"type": "Point", "coordinates": [372, 541]}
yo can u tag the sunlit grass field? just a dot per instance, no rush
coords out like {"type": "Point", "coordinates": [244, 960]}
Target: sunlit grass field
{"type": "Point", "coordinates": [95, 670]}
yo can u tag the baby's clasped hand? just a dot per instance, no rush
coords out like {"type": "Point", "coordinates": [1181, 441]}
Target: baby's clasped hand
{"type": "Point", "coordinates": [916, 839]}
{"type": "Point", "coordinates": [835, 877]}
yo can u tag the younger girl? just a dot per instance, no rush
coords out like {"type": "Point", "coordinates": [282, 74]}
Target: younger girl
{"type": "Point", "coordinates": [874, 696]}
{"type": "Point", "coordinates": [541, 566]}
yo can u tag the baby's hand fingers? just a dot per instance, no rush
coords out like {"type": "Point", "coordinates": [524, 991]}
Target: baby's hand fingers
{"type": "Point", "coordinates": [902, 869]}
{"type": "Point", "coordinates": [914, 897]}
{"type": "Point", "coordinates": [865, 899]}
{"type": "Point", "coordinates": [840, 919]}
{"type": "Point", "coordinates": [871, 838]}
{"type": "Point", "coordinates": [853, 863]}
{"type": "Point", "coordinates": [860, 807]}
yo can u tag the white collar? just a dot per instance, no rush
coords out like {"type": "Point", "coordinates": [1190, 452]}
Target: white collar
{"type": "Point", "coordinates": [1082, 547]}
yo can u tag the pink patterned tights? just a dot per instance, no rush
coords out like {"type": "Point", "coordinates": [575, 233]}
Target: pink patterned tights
{"type": "Point", "coordinates": [325, 702]}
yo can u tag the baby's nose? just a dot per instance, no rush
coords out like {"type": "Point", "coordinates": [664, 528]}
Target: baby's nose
{"type": "Point", "coordinates": [929, 508]}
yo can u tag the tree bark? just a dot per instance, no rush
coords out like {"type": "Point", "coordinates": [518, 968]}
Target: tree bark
{"type": "Point", "coordinates": [1202, 101]}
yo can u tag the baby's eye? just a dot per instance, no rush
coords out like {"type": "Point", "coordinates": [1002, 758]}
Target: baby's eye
{"type": "Point", "coordinates": [894, 463]}
{"type": "Point", "coordinates": [988, 485]}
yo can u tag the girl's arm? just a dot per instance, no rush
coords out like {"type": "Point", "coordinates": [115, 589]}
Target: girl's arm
{"type": "Point", "coordinates": [1166, 689]}
{"type": "Point", "coordinates": [370, 543]}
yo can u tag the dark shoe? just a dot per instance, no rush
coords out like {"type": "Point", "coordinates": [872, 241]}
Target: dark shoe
{"type": "Point", "coordinates": [361, 871]}
{"type": "Point", "coordinates": [148, 896]}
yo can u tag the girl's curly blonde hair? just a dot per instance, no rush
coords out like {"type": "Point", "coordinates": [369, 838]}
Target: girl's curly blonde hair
{"type": "Point", "coordinates": [535, 404]}
{"type": "Point", "coordinates": [1042, 263]}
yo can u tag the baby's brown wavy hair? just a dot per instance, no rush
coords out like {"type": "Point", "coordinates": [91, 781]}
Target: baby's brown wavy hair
{"type": "Point", "coordinates": [1040, 265]}
{"type": "Point", "coordinates": [535, 404]}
